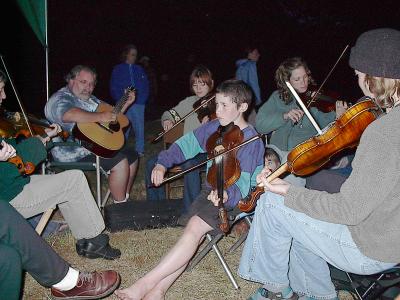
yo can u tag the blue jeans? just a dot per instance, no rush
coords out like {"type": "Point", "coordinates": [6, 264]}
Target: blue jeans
{"type": "Point", "coordinates": [287, 248]}
{"type": "Point", "coordinates": [135, 115]}
{"type": "Point", "coordinates": [153, 193]}
{"type": "Point", "coordinates": [192, 181]}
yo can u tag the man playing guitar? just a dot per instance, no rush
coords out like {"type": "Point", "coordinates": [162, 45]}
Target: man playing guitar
{"type": "Point", "coordinates": [75, 103]}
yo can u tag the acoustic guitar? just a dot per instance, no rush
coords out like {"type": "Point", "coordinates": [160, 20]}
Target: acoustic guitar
{"type": "Point", "coordinates": [104, 138]}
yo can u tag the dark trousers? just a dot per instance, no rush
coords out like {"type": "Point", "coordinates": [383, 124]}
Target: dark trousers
{"type": "Point", "coordinates": [22, 249]}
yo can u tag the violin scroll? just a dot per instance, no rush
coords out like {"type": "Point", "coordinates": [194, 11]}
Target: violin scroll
{"type": "Point", "coordinates": [205, 108]}
{"type": "Point", "coordinates": [26, 168]}
{"type": "Point", "coordinates": [23, 168]}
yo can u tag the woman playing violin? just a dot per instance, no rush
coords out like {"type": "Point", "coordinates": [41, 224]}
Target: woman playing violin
{"type": "Point", "coordinates": [296, 231]}
{"type": "Point", "coordinates": [282, 117]}
{"type": "Point", "coordinates": [201, 83]}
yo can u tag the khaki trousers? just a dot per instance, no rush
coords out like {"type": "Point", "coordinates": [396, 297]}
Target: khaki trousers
{"type": "Point", "coordinates": [70, 191]}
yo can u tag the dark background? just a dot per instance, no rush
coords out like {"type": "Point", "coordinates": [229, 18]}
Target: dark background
{"type": "Point", "coordinates": [176, 35]}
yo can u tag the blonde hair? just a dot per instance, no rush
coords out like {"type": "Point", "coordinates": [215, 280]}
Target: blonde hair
{"type": "Point", "coordinates": [284, 72]}
{"type": "Point", "coordinates": [384, 89]}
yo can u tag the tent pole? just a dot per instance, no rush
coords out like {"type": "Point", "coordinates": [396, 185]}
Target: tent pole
{"type": "Point", "coordinates": [47, 51]}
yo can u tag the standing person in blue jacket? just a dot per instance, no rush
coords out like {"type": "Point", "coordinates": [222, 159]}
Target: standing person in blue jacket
{"type": "Point", "coordinates": [246, 70]}
{"type": "Point", "coordinates": [128, 74]}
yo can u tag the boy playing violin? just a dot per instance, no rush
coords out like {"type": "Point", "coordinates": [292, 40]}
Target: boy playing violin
{"type": "Point", "coordinates": [232, 101]}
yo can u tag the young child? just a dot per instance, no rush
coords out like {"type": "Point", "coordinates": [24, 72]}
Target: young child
{"type": "Point", "coordinates": [232, 100]}
{"type": "Point", "coordinates": [271, 159]}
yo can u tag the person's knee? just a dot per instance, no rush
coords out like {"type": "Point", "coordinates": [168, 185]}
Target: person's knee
{"type": "Point", "coordinates": [197, 226]}
{"type": "Point", "coordinates": [270, 206]}
{"type": "Point", "coordinates": [74, 174]}
{"type": "Point", "coordinates": [269, 199]}
{"type": "Point", "coordinates": [122, 166]}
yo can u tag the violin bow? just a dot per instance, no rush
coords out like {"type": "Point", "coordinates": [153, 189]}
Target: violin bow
{"type": "Point", "coordinates": [16, 96]}
{"type": "Point", "coordinates": [211, 158]}
{"type": "Point", "coordinates": [327, 76]}
{"type": "Point", "coordinates": [310, 117]}
{"type": "Point", "coordinates": [161, 134]}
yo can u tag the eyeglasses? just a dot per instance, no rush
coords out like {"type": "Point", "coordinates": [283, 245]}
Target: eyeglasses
{"type": "Point", "coordinates": [88, 83]}
{"type": "Point", "coordinates": [198, 84]}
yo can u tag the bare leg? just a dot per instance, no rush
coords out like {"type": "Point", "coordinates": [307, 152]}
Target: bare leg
{"type": "Point", "coordinates": [132, 174]}
{"type": "Point", "coordinates": [118, 180]}
{"type": "Point", "coordinates": [171, 265]}
{"type": "Point", "coordinates": [159, 291]}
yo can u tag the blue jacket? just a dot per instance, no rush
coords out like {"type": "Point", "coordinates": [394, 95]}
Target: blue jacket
{"type": "Point", "coordinates": [247, 71]}
{"type": "Point", "coordinates": [124, 75]}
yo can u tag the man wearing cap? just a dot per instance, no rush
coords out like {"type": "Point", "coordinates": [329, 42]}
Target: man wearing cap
{"type": "Point", "coordinates": [296, 232]}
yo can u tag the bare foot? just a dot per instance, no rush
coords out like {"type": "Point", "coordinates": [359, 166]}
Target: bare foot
{"type": "Point", "coordinates": [136, 291]}
{"type": "Point", "coordinates": [155, 294]}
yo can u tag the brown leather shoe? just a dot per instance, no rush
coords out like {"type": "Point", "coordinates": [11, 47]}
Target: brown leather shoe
{"type": "Point", "coordinates": [95, 285]}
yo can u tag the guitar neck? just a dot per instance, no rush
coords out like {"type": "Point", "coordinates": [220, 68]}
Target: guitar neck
{"type": "Point", "coordinates": [118, 107]}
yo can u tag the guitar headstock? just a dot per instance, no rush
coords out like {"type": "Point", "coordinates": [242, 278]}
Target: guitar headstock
{"type": "Point", "coordinates": [130, 88]}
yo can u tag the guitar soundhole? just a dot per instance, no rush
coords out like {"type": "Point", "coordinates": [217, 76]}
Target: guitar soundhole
{"type": "Point", "coordinates": [114, 126]}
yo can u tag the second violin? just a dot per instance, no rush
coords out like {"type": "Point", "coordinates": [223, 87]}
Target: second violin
{"type": "Point", "coordinates": [324, 101]}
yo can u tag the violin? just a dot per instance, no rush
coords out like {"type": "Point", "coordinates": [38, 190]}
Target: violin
{"type": "Point", "coordinates": [205, 110]}
{"type": "Point", "coordinates": [225, 169]}
{"type": "Point", "coordinates": [324, 101]}
{"type": "Point", "coordinates": [203, 100]}
{"type": "Point", "coordinates": [312, 154]}
{"type": "Point", "coordinates": [13, 126]}
{"type": "Point", "coordinates": [23, 168]}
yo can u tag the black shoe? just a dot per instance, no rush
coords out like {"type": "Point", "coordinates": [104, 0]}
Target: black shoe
{"type": "Point", "coordinates": [97, 247]}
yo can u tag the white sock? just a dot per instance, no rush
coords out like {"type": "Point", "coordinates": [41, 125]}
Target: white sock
{"type": "Point", "coordinates": [122, 201]}
{"type": "Point", "coordinates": [69, 281]}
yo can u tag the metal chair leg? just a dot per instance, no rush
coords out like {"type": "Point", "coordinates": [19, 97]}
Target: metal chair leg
{"type": "Point", "coordinates": [238, 242]}
{"type": "Point", "coordinates": [203, 252]}
{"type": "Point", "coordinates": [212, 244]}
{"type": "Point", "coordinates": [224, 264]}
{"type": "Point", "coordinates": [98, 181]}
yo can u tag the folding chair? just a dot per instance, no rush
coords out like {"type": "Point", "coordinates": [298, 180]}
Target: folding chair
{"type": "Point", "coordinates": [212, 244]}
{"type": "Point", "coordinates": [169, 138]}
{"type": "Point", "coordinates": [55, 166]}
{"type": "Point", "coordinates": [383, 285]}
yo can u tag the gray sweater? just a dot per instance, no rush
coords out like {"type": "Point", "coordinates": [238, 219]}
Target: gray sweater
{"type": "Point", "coordinates": [369, 201]}
{"type": "Point", "coordinates": [183, 108]}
